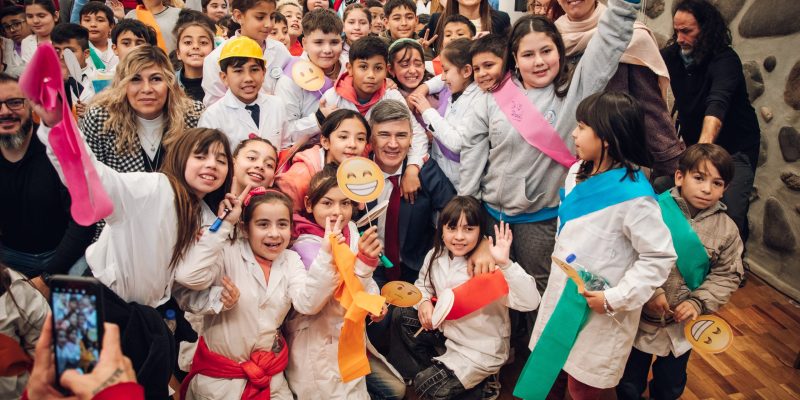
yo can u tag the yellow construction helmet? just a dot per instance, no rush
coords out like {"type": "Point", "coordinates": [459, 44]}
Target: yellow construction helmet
{"type": "Point", "coordinates": [241, 46]}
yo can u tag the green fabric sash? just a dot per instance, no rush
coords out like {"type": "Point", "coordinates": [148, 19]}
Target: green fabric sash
{"type": "Point", "coordinates": [693, 262]}
{"type": "Point", "coordinates": [554, 346]}
{"type": "Point", "coordinates": [571, 312]}
{"type": "Point", "coordinates": [96, 60]}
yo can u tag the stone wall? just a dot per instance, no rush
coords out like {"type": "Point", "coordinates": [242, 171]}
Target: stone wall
{"type": "Point", "coordinates": [766, 34]}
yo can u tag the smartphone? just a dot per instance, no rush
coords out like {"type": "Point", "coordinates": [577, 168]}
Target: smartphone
{"type": "Point", "coordinates": [77, 304]}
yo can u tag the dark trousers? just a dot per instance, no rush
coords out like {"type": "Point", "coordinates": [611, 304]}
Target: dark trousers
{"type": "Point", "coordinates": [413, 358]}
{"type": "Point", "coordinates": [669, 376]}
{"type": "Point", "coordinates": [737, 195]}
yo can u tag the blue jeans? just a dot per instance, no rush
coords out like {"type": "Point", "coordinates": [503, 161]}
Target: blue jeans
{"type": "Point", "coordinates": [32, 265]}
{"type": "Point", "coordinates": [382, 384]}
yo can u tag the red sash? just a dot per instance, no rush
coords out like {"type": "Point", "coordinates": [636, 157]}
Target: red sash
{"type": "Point", "coordinates": [531, 124]}
{"type": "Point", "coordinates": [258, 370]}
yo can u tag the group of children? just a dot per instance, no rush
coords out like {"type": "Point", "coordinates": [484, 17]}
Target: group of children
{"type": "Point", "coordinates": [499, 117]}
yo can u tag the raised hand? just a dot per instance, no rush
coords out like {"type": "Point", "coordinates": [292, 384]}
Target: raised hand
{"type": "Point", "coordinates": [425, 41]}
{"type": "Point", "coordinates": [230, 208]}
{"type": "Point", "coordinates": [419, 102]}
{"type": "Point", "coordinates": [325, 108]}
{"type": "Point", "coordinates": [335, 230]}
{"type": "Point", "coordinates": [501, 248]}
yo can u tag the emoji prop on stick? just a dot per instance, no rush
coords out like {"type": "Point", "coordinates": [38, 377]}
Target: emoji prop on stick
{"type": "Point", "coordinates": [709, 334]}
{"type": "Point", "coordinates": [42, 83]}
{"type": "Point", "coordinates": [401, 293]}
{"type": "Point", "coordinates": [308, 76]}
{"type": "Point", "coordinates": [361, 180]}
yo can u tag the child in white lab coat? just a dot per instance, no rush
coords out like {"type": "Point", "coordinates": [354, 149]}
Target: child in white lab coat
{"type": "Point", "coordinates": [254, 163]}
{"type": "Point", "coordinates": [477, 344]}
{"type": "Point", "coordinates": [313, 370]}
{"type": "Point", "coordinates": [241, 352]}
{"type": "Point", "coordinates": [243, 110]}
{"type": "Point", "coordinates": [609, 223]}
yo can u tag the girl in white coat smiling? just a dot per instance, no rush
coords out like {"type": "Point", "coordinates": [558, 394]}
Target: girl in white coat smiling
{"type": "Point", "coordinates": [313, 371]}
{"type": "Point", "coordinates": [477, 344]}
{"type": "Point", "coordinates": [609, 223]}
{"type": "Point", "coordinates": [241, 353]}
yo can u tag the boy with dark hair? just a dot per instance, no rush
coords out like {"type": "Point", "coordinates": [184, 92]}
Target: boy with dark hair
{"type": "Point", "coordinates": [487, 60]}
{"type": "Point", "coordinates": [280, 29]}
{"type": "Point", "coordinates": [75, 38]}
{"type": "Point", "coordinates": [244, 110]}
{"type": "Point", "coordinates": [129, 34]}
{"type": "Point", "coordinates": [378, 25]}
{"type": "Point", "coordinates": [361, 87]}
{"type": "Point", "coordinates": [455, 27]}
{"type": "Point", "coordinates": [322, 42]}
{"type": "Point", "coordinates": [99, 20]}
{"type": "Point", "coordinates": [401, 19]}
{"type": "Point", "coordinates": [708, 271]}
{"type": "Point", "coordinates": [254, 18]}
{"type": "Point", "coordinates": [14, 29]}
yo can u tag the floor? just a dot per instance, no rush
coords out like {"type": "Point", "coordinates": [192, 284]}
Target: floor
{"type": "Point", "coordinates": [759, 365]}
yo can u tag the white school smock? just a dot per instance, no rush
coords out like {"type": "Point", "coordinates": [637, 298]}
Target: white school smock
{"type": "Point", "coordinates": [627, 244]}
{"type": "Point", "coordinates": [477, 344]}
{"type": "Point", "coordinates": [29, 45]}
{"type": "Point", "coordinates": [301, 106]}
{"type": "Point", "coordinates": [107, 57]}
{"type": "Point", "coordinates": [230, 116]}
{"type": "Point", "coordinates": [276, 55]}
{"type": "Point", "coordinates": [418, 152]}
{"type": "Point", "coordinates": [448, 129]}
{"type": "Point", "coordinates": [313, 370]}
{"type": "Point", "coordinates": [133, 252]}
{"type": "Point", "coordinates": [12, 60]}
{"type": "Point", "coordinates": [253, 323]}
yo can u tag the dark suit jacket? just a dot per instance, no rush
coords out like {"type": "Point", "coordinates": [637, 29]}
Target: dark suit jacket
{"type": "Point", "coordinates": [501, 23]}
{"type": "Point", "coordinates": [416, 223]}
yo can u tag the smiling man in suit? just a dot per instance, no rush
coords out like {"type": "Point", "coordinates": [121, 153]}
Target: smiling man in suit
{"type": "Point", "coordinates": [407, 228]}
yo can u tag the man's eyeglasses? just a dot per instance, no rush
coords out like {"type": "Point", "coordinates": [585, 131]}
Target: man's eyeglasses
{"type": "Point", "coordinates": [14, 104]}
{"type": "Point", "coordinates": [12, 26]}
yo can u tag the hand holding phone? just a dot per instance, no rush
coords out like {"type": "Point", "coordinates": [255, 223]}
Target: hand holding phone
{"type": "Point", "coordinates": [113, 368]}
{"type": "Point", "coordinates": [77, 318]}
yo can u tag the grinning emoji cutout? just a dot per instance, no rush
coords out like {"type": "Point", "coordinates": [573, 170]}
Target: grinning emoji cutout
{"type": "Point", "coordinates": [360, 179]}
{"type": "Point", "coordinates": [709, 334]}
{"type": "Point", "coordinates": [401, 293]}
{"type": "Point", "coordinates": [308, 76]}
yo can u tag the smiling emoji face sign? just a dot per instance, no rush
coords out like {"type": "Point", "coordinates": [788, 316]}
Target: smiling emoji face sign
{"type": "Point", "coordinates": [401, 293]}
{"type": "Point", "coordinates": [709, 334]}
{"type": "Point", "coordinates": [360, 179]}
{"type": "Point", "coordinates": [308, 76]}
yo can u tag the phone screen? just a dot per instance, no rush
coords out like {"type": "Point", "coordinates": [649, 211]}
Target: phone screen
{"type": "Point", "coordinates": [76, 334]}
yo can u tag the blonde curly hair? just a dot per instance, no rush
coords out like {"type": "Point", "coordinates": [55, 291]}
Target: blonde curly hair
{"type": "Point", "coordinates": [122, 116]}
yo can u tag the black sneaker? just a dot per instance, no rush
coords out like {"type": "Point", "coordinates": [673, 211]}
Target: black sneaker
{"type": "Point", "coordinates": [491, 389]}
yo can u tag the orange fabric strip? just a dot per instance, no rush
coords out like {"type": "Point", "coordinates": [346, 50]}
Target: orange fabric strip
{"type": "Point", "coordinates": [352, 356]}
{"type": "Point", "coordinates": [146, 17]}
{"type": "Point", "coordinates": [477, 293]}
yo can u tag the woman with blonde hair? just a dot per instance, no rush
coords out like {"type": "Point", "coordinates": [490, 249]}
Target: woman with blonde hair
{"type": "Point", "coordinates": [128, 124]}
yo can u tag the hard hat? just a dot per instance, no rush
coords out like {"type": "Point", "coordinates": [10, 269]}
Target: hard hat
{"type": "Point", "coordinates": [241, 46]}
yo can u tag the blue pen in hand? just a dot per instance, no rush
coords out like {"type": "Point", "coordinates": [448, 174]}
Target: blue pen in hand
{"type": "Point", "coordinates": [218, 222]}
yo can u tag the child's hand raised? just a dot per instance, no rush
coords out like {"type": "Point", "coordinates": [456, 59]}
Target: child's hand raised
{"type": "Point", "coordinates": [230, 208]}
{"type": "Point", "coordinates": [230, 293]}
{"type": "Point", "coordinates": [336, 230]}
{"type": "Point", "coordinates": [369, 244]}
{"type": "Point", "coordinates": [501, 248]}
